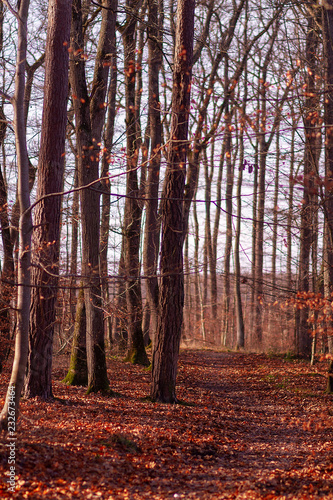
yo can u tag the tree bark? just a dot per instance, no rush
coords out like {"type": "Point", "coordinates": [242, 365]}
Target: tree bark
{"type": "Point", "coordinates": [78, 368]}
{"type": "Point", "coordinates": [229, 214]}
{"type": "Point", "coordinates": [133, 209]}
{"type": "Point", "coordinates": [171, 300]}
{"type": "Point", "coordinates": [12, 400]}
{"type": "Point", "coordinates": [152, 225]}
{"type": "Point", "coordinates": [106, 158]}
{"type": "Point", "coordinates": [47, 212]}
{"type": "Point", "coordinates": [303, 338]}
{"type": "Point", "coordinates": [89, 119]}
{"type": "Point", "coordinates": [327, 19]}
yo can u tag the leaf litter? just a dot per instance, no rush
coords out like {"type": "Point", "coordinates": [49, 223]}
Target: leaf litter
{"type": "Point", "coordinates": [247, 427]}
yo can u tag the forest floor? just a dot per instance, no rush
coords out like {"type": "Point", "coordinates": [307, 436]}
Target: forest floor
{"type": "Point", "coordinates": [249, 427]}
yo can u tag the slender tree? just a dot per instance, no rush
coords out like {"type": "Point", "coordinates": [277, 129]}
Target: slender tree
{"type": "Point", "coordinates": [89, 120]}
{"type": "Point", "coordinates": [133, 207]}
{"type": "Point", "coordinates": [171, 298]}
{"type": "Point", "coordinates": [327, 21]}
{"type": "Point", "coordinates": [311, 157]}
{"type": "Point", "coordinates": [152, 226]}
{"type": "Point", "coordinates": [25, 227]}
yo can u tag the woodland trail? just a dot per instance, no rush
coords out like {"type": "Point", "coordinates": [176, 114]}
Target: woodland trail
{"type": "Point", "coordinates": [248, 427]}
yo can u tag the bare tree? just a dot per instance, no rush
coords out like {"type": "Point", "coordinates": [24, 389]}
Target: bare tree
{"type": "Point", "coordinates": [171, 298]}
{"type": "Point", "coordinates": [11, 405]}
{"type": "Point", "coordinates": [152, 226]}
{"type": "Point", "coordinates": [311, 157]}
{"type": "Point", "coordinates": [47, 211]}
{"type": "Point", "coordinates": [89, 121]}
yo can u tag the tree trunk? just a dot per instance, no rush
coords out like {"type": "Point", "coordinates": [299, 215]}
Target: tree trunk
{"type": "Point", "coordinates": [327, 14]}
{"type": "Point", "coordinates": [275, 211]}
{"type": "Point", "coordinates": [89, 119]}
{"type": "Point", "coordinates": [171, 300]}
{"type": "Point", "coordinates": [133, 209]}
{"type": "Point", "coordinates": [291, 203]}
{"type": "Point", "coordinates": [46, 234]}
{"type": "Point", "coordinates": [106, 203]}
{"type": "Point", "coordinates": [303, 339]}
{"type": "Point", "coordinates": [240, 336]}
{"type": "Point", "coordinates": [228, 243]}
{"type": "Point", "coordinates": [11, 405]}
{"type": "Point", "coordinates": [152, 225]}
{"type": "Point", "coordinates": [7, 274]}
{"type": "Point", "coordinates": [78, 368]}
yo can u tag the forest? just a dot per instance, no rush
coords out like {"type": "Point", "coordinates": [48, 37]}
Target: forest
{"type": "Point", "coordinates": [166, 203]}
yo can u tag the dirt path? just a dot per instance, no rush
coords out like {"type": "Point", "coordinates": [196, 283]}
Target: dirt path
{"type": "Point", "coordinates": [252, 427]}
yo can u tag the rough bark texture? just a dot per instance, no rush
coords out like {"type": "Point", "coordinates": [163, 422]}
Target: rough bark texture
{"type": "Point", "coordinates": [78, 368]}
{"type": "Point", "coordinates": [229, 213]}
{"type": "Point", "coordinates": [303, 338]}
{"type": "Point", "coordinates": [106, 203]}
{"type": "Point", "coordinates": [171, 301]}
{"type": "Point", "coordinates": [47, 212]}
{"type": "Point", "coordinates": [240, 335]}
{"type": "Point", "coordinates": [88, 136]}
{"type": "Point", "coordinates": [7, 274]}
{"type": "Point", "coordinates": [327, 14]}
{"type": "Point", "coordinates": [25, 226]}
{"type": "Point", "coordinates": [133, 208]}
{"type": "Point", "coordinates": [152, 226]}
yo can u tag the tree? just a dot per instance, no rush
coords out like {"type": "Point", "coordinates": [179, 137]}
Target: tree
{"type": "Point", "coordinates": [78, 369]}
{"type": "Point", "coordinates": [311, 158]}
{"type": "Point", "coordinates": [327, 20]}
{"type": "Point", "coordinates": [89, 120]}
{"type": "Point", "coordinates": [25, 226]}
{"type": "Point", "coordinates": [152, 225]}
{"type": "Point", "coordinates": [45, 249]}
{"type": "Point", "coordinates": [171, 298]}
{"type": "Point", "coordinates": [133, 207]}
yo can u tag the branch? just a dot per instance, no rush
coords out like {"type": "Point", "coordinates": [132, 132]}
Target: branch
{"type": "Point", "coordinates": [6, 96]}
{"type": "Point", "coordinates": [13, 11]}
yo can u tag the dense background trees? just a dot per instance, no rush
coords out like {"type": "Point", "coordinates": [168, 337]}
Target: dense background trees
{"type": "Point", "coordinates": [253, 205]}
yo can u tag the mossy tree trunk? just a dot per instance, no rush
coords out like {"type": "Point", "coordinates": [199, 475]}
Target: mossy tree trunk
{"type": "Point", "coordinates": [78, 369]}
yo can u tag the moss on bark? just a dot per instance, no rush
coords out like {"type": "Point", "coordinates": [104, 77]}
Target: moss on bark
{"type": "Point", "coordinates": [137, 357]}
{"type": "Point", "coordinates": [78, 370]}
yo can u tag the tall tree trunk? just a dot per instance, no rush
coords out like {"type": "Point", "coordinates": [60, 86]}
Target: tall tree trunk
{"type": "Point", "coordinates": [12, 400]}
{"type": "Point", "coordinates": [197, 275]}
{"type": "Point", "coordinates": [74, 242]}
{"type": "Point", "coordinates": [275, 211]}
{"type": "Point", "coordinates": [327, 16]}
{"type": "Point", "coordinates": [209, 172]}
{"type": "Point", "coordinates": [254, 228]}
{"type": "Point", "coordinates": [303, 338]}
{"type": "Point", "coordinates": [171, 298]}
{"type": "Point", "coordinates": [7, 273]}
{"type": "Point", "coordinates": [229, 209]}
{"type": "Point", "coordinates": [152, 225]}
{"type": "Point", "coordinates": [264, 144]}
{"type": "Point", "coordinates": [46, 236]}
{"type": "Point", "coordinates": [89, 120]}
{"type": "Point", "coordinates": [291, 202]}
{"type": "Point", "coordinates": [106, 204]}
{"type": "Point", "coordinates": [133, 208]}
